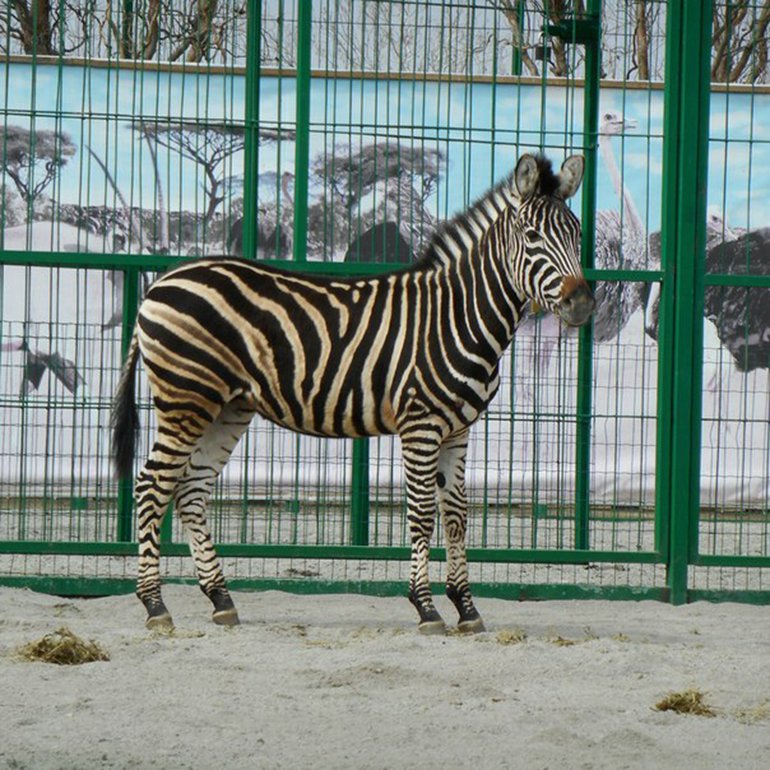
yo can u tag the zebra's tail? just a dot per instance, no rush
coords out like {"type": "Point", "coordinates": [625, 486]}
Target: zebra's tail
{"type": "Point", "coordinates": [124, 420]}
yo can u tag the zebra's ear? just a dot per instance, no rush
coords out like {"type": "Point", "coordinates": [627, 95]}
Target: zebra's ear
{"type": "Point", "coordinates": [526, 177]}
{"type": "Point", "coordinates": [571, 175]}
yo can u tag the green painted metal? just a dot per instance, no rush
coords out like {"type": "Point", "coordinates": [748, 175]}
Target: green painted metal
{"type": "Point", "coordinates": [582, 31]}
{"type": "Point", "coordinates": [726, 560]}
{"type": "Point", "coordinates": [685, 164]}
{"type": "Point", "coordinates": [158, 262]}
{"type": "Point", "coordinates": [679, 363]}
{"type": "Point", "coordinates": [125, 525]}
{"type": "Point", "coordinates": [509, 591]}
{"type": "Point", "coordinates": [359, 493]}
{"type": "Point", "coordinates": [302, 145]}
{"type": "Point", "coordinates": [519, 10]}
{"type": "Point", "coordinates": [375, 553]}
{"type": "Point", "coordinates": [593, 64]}
{"type": "Point", "coordinates": [251, 119]}
{"type": "Point", "coordinates": [671, 152]}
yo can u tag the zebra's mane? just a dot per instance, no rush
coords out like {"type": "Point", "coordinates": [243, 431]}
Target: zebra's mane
{"type": "Point", "coordinates": [548, 185]}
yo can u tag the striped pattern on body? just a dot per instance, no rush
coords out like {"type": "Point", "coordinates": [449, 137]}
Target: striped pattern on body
{"type": "Point", "coordinates": [413, 352]}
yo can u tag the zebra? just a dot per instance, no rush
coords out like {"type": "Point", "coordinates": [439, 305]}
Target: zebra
{"type": "Point", "coordinates": [412, 352]}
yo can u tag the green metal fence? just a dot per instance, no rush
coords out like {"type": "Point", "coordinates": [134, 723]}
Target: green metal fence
{"type": "Point", "coordinates": [631, 460]}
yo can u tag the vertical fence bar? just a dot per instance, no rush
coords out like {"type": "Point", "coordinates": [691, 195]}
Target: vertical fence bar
{"type": "Point", "coordinates": [359, 471]}
{"type": "Point", "coordinates": [251, 128]}
{"type": "Point", "coordinates": [685, 158]}
{"type": "Point", "coordinates": [301, 177]}
{"type": "Point", "coordinates": [593, 63]}
{"type": "Point", "coordinates": [359, 502]}
{"type": "Point", "coordinates": [302, 145]}
{"type": "Point", "coordinates": [671, 117]}
{"type": "Point", "coordinates": [126, 486]}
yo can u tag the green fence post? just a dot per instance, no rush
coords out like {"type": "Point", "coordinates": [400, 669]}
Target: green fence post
{"type": "Point", "coordinates": [359, 502]}
{"type": "Point", "coordinates": [685, 159]}
{"type": "Point", "coordinates": [126, 486]}
{"type": "Point", "coordinates": [584, 405]}
{"type": "Point", "coordinates": [302, 145]}
{"type": "Point", "coordinates": [251, 128]}
{"type": "Point", "coordinates": [519, 10]}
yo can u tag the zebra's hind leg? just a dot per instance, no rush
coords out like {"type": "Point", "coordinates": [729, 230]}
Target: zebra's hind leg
{"type": "Point", "coordinates": [154, 486]}
{"type": "Point", "coordinates": [453, 507]}
{"type": "Point", "coordinates": [420, 454]}
{"type": "Point", "coordinates": [191, 501]}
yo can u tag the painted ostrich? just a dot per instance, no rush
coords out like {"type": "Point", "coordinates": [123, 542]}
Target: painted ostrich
{"type": "Point", "coordinates": [620, 243]}
{"type": "Point", "coordinates": [717, 233]}
{"type": "Point", "coordinates": [741, 315]}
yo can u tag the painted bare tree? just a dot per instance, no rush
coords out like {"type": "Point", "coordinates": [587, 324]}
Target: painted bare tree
{"type": "Point", "coordinates": [196, 31]}
{"type": "Point", "coordinates": [526, 21]}
{"type": "Point", "coordinates": [740, 31]}
{"type": "Point", "coordinates": [33, 24]}
{"type": "Point", "coordinates": [476, 38]}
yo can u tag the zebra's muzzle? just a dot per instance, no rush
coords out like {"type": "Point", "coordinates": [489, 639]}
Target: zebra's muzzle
{"type": "Point", "coordinates": [577, 303]}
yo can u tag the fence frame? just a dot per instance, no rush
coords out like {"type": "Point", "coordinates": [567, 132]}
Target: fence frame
{"type": "Point", "coordinates": [677, 515]}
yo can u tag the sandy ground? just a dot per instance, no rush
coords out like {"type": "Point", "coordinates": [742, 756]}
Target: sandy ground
{"type": "Point", "coordinates": [346, 682]}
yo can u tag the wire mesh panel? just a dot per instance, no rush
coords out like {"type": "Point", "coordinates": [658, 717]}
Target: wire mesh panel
{"type": "Point", "coordinates": [337, 138]}
{"type": "Point", "coordinates": [735, 464]}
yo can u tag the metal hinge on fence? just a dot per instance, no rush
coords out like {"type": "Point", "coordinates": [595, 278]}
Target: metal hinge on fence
{"type": "Point", "coordinates": [585, 30]}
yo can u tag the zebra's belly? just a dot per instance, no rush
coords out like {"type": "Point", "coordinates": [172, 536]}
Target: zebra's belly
{"type": "Point", "coordinates": [333, 421]}
{"type": "Point", "coordinates": [357, 413]}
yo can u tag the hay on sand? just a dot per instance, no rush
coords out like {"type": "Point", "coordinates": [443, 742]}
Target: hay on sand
{"type": "Point", "coordinates": [63, 648]}
{"type": "Point", "coordinates": [686, 702]}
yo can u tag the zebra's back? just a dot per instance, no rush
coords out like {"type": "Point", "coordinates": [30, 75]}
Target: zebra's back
{"type": "Point", "coordinates": [317, 355]}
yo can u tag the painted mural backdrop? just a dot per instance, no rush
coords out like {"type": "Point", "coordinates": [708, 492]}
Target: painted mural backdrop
{"type": "Point", "coordinates": [152, 163]}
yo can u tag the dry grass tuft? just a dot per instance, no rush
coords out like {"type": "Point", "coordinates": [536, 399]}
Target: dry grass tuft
{"type": "Point", "coordinates": [686, 702]}
{"type": "Point", "coordinates": [63, 648]}
{"type": "Point", "coordinates": [560, 641]}
{"type": "Point", "coordinates": [512, 636]}
{"type": "Point", "coordinates": [760, 713]}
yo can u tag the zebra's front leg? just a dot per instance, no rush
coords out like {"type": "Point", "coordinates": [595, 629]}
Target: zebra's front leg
{"type": "Point", "coordinates": [420, 456]}
{"type": "Point", "coordinates": [453, 507]}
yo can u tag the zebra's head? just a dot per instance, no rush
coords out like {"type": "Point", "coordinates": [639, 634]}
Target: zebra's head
{"type": "Point", "coordinates": [546, 238]}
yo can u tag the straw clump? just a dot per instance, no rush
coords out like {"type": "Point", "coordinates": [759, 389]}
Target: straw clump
{"type": "Point", "coordinates": [63, 648]}
{"type": "Point", "coordinates": [686, 702]}
{"type": "Point", "coordinates": [512, 636]}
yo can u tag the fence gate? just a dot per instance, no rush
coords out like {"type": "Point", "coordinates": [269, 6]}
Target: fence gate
{"type": "Point", "coordinates": [630, 460]}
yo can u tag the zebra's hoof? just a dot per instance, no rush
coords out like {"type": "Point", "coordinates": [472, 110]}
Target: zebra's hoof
{"type": "Point", "coordinates": [432, 627]}
{"type": "Point", "coordinates": [228, 617]}
{"type": "Point", "coordinates": [161, 623]}
{"type": "Point", "coordinates": [470, 620]}
{"type": "Point", "coordinates": [473, 626]}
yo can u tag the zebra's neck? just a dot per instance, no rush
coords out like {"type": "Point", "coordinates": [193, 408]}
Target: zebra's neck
{"type": "Point", "coordinates": [471, 259]}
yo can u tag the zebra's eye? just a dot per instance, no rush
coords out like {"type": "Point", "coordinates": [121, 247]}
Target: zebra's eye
{"type": "Point", "coordinates": [532, 236]}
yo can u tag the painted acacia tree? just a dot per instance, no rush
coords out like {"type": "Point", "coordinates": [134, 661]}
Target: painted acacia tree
{"type": "Point", "coordinates": [31, 159]}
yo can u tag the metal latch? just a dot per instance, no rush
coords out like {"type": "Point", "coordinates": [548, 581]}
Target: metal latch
{"type": "Point", "coordinates": [585, 30]}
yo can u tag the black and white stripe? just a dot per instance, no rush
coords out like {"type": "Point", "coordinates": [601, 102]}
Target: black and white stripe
{"type": "Point", "coordinates": [413, 353]}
